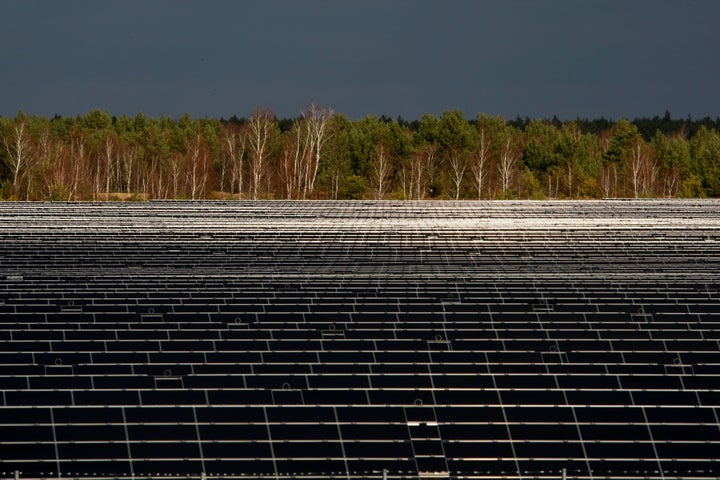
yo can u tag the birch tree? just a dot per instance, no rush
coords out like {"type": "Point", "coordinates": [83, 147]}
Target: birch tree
{"type": "Point", "coordinates": [77, 164]}
{"type": "Point", "coordinates": [175, 171]}
{"type": "Point", "coordinates": [506, 164]}
{"type": "Point", "coordinates": [294, 158]}
{"type": "Point", "coordinates": [17, 148]}
{"type": "Point", "coordinates": [108, 147]}
{"type": "Point", "coordinates": [380, 174]}
{"type": "Point", "coordinates": [260, 126]}
{"type": "Point", "coordinates": [480, 161]}
{"type": "Point", "coordinates": [197, 172]}
{"type": "Point", "coordinates": [417, 172]}
{"type": "Point", "coordinates": [129, 162]}
{"type": "Point", "coordinates": [643, 170]}
{"type": "Point", "coordinates": [608, 180]}
{"type": "Point", "coordinates": [637, 164]}
{"type": "Point", "coordinates": [422, 171]}
{"type": "Point", "coordinates": [457, 170]}
{"type": "Point", "coordinates": [553, 179]}
{"type": "Point", "coordinates": [316, 119]}
{"type": "Point", "coordinates": [569, 175]}
{"type": "Point", "coordinates": [234, 149]}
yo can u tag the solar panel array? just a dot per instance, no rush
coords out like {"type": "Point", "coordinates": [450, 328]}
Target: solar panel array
{"type": "Point", "coordinates": [360, 339]}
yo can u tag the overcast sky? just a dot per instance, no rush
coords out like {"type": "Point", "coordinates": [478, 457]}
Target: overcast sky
{"type": "Point", "coordinates": [395, 57]}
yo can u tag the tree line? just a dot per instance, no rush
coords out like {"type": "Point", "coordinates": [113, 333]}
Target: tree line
{"type": "Point", "coordinates": [323, 155]}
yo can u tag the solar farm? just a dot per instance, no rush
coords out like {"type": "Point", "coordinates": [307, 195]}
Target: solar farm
{"type": "Point", "coordinates": [349, 340]}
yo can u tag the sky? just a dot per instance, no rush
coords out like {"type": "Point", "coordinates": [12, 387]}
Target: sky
{"type": "Point", "coordinates": [217, 58]}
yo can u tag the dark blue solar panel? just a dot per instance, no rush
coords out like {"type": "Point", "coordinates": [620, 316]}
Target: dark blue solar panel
{"type": "Point", "coordinates": [344, 339]}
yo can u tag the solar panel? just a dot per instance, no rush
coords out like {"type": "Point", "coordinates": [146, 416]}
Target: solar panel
{"type": "Point", "coordinates": [360, 339]}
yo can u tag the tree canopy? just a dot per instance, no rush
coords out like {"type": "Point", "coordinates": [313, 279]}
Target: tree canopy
{"type": "Point", "coordinates": [322, 154]}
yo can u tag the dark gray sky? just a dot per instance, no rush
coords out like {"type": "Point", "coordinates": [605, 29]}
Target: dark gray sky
{"type": "Point", "coordinates": [570, 58]}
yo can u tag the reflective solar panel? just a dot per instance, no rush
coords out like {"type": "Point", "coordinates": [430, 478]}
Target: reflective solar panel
{"type": "Point", "coordinates": [280, 339]}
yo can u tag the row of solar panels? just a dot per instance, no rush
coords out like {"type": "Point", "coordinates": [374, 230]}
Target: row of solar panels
{"type": "Point", "coordinates": [608, 437]}
{"type": "Point", "coordinates": [609, 209]}
{"type": "Point", "coordinates": [138, 285]}
{"type": "Point", "coordinates": [360, 340]}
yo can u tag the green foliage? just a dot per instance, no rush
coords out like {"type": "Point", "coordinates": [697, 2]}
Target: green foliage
{"type": "Point", "coordinates": [587, 186]}
{"type": "Point", "coordinates": [6, 190]}
{"type": "Point", "coordinates": [178, 157]}
{"type": "Point", "coordinates": [622, 137]}
{"type": "Point", "coordinates": [691, 187]}
{"type": "Point", "coordinates": [355, 188]}
{"type": "Point", "coordinates": [541, 149]}
{"type": "Point", "coordinates": [705, 148]}
{"type": "Point", "coordinates": [454, 133]}
{"type": "Point", "coordinates": [428, 130]}
{"type": "Point", "coordinates": [96, 121]}
{"type": "Point", "coordinates": [676, 154]}
{"type": "Point", "coordinates": [58, 192]}
{"type": "Point", "coordinates": [531, 186]}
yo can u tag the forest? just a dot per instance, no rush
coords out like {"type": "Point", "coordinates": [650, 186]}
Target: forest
{"type": "Point", "coordinates": [322, 154]}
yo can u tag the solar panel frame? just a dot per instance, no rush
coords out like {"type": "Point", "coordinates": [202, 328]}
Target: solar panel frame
{"type": "Point", "coordinates": [428, 339]}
